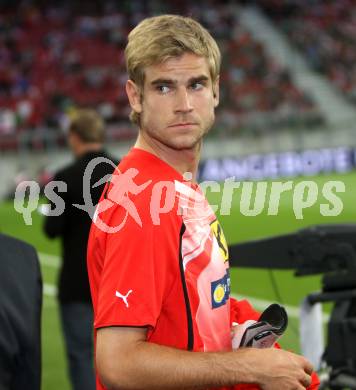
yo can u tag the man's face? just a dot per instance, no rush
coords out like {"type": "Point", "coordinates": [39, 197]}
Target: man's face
{"type": "Point", "coordinates": [178, 102]}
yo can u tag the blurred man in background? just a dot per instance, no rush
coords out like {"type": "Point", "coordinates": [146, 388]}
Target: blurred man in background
{"type": "Point", "coordinates": [20, 316]}
{"type": "Point", "coordinates": [85, 138]}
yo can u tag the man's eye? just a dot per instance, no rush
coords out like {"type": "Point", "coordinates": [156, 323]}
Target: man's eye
{"type": "Point", "coordinates": [196, 86]}
{"type": "Point", "coordinates": [163, 89]}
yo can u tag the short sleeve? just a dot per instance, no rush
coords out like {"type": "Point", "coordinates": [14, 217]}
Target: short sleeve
{"type": "Point", "coordinates": [139, 268]}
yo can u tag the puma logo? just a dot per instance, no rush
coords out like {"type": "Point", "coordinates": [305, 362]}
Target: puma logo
{"type": "Point", "coordinates": [124, 297]}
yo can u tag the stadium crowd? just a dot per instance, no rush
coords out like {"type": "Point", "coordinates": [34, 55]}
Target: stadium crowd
{"type": "Point", "coordinates": [55, 58]}
{"type": "Point", "coordinates": [325, 32]}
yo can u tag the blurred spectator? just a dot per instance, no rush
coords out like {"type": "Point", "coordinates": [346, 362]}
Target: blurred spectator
{"type": "Point", "coordinates": [76, 53]}
{"type": "Point", "coordinates": [20, 316]}
{"type": "Point", "coordinates": [7, 122]}
{"type": "Point", "coordinates": [325, 32]}
{"type": "Point", "coordinates": [85, 137]}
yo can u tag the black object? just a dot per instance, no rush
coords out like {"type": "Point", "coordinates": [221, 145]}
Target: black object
{"type": "Point", "coordinates": [265, 332]}
{"type": "Point", "coordinates": [323, 249]}
{"type": "Point", "coordinates": [276, 316]}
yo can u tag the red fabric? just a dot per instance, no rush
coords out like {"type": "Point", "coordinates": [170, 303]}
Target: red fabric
{"type": "Point", "coordinates": [175, 255]}
{"type": "Point", "coordinates": [177, 260]}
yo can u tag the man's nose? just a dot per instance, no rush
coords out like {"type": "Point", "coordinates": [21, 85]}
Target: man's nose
{"type": "Point", "coordinates": [183, 101]}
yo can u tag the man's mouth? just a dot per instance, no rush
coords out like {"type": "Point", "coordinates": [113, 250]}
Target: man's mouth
{"type": "Point", "coordinates": [183, 124]}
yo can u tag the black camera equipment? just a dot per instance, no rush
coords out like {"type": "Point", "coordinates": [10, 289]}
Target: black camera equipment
{"type": "Point", "coordinates": [322, 249]}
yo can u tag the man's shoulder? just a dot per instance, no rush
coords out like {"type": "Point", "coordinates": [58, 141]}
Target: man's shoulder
{"type": "Point", "coordinates": [140, 197]}
{"type": "Point", "coordinates": [143, 180]}
{"type": "Point", "coordinates": [141, 190]}
{"type": "Point", "coordinates": [146, 166]}
{"type": "Point", "coordinates": [12, 248]}
{"type": "Point", "coordinates": [65, 171]}
{"type": "Point", "coordinates": [98, 159]}
{"type": "Point", "coordinates": [11, 242]}
{"type": "Point", "coordinates": [102, 163]}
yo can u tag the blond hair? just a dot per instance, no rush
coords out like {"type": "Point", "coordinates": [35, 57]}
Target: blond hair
{"type": "Point", "coordinates": [88, 125]}
{"type": "Point", "coordinates": [159, 38]}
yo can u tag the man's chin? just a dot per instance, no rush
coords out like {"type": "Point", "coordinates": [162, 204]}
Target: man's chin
{"type": "Point", "coordinates": [188, 145]}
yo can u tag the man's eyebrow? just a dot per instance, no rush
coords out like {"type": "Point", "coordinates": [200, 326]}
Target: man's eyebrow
{"type": "Point", "coordinates": [198, 79]}
{"type": "Point", "coordinates": [192, 80]}
{"type": "Point", "coordinates": [163, 81]}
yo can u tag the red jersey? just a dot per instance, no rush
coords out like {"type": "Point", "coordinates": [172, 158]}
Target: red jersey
{"type": "Point", "coordinates": [157, 258]}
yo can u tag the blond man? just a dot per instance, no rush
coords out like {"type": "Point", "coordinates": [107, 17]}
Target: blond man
{"type": "Point", "coordinates": [160, 280]}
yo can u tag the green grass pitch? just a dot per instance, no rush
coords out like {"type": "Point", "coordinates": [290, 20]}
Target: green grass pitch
{"type": "Point", "coordinates": [237, 227]}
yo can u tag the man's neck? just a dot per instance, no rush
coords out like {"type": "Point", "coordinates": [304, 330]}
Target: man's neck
{"type": "Point", "coordinates": [83, 149]}
{"type": "Point", "coordinates": [185, 160]}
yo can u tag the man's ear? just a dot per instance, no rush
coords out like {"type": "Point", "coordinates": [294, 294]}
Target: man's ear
{"type": "Point", "coordinates": [72, 138]}
{"type": "Point", "coordinates": [216, 95]}
{"type": "Point", "coordinates": [134, 95]}
{"type": "Point", "coordinates": [74, 142]}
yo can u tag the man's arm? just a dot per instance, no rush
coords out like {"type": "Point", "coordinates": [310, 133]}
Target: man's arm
{"type": "Point", "coordinates": [125, 360]}
{"type": "Point", "coordinates": [242, 311]}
